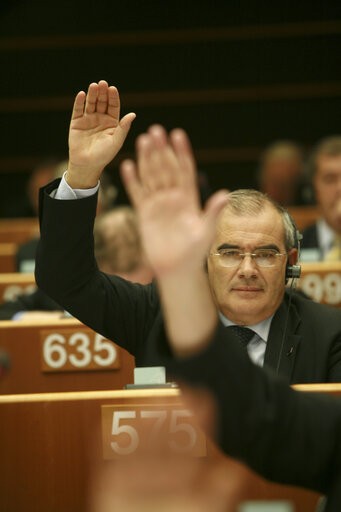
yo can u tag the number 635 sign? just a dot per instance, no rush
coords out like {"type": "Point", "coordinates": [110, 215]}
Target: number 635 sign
{"type": "Point", "coordinates": [77, 350]}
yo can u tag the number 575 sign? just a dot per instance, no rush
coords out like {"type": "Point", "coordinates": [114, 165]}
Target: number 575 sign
{"type": "Point", "coordinates": [129, 429]}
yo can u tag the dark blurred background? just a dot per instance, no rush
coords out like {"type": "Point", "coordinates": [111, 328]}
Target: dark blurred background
{"type": "Point", "coordinates": [236, 75]}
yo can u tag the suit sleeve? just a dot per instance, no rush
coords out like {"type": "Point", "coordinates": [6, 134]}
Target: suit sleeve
{"type": "Point", "coordinates": [287, 436]}
{"type": "Point", "coordinates": [67, 271]}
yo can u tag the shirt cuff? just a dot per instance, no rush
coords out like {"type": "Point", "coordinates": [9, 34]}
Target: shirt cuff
{"type": "Point", "coordinates": [17, 315]}
{"type": "Point", "coordinates": [64, 191]}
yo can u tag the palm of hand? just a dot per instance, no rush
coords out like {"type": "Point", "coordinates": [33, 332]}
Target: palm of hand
{"type": "Point", "coordinates": [172, 230]}
{"type": "Point", "coordinates": [93, 137]}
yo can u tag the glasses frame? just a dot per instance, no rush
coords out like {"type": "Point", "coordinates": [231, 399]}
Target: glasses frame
{"type": "Point", "coordinates": [251, 254]}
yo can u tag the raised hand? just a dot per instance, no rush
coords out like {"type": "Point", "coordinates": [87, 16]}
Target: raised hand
{"type": "Point", "coordinates": [176, 233]}
{"type": "Point", "coordinates": [96, 133]}
{"type": "Point", "coordinates": [163, 188]}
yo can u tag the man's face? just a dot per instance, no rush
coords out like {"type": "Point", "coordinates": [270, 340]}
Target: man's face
{"type": "Point", "coordinates": [247, 293]}
{"type": "Point", "coordinates": [327, 182]}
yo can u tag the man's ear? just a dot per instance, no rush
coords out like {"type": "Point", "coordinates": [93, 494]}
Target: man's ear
{"type": "Point", "coordinates": [292, 256]}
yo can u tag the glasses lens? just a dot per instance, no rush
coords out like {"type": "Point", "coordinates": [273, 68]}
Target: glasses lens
{"type": "Point", "coordinates": [230, 258]}
{"type": "Point", "coordinates": [265, 257]}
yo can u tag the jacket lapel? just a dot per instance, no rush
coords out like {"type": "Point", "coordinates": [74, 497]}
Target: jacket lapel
{"type": "Point", "coordinates": [283, 342]}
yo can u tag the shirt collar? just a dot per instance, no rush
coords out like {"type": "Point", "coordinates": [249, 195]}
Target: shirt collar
{"type": "Point", "coordinates": [261, 328]}
{"type": "Point", "coordinates": [325, 235]}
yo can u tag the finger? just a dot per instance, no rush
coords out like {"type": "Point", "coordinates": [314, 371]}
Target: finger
{"type": "Point", "coordinates": [144, 161]}
{"type": "Point", "coordinates": [78, 106]}
{"type": "Point", "coordinates": [214, 205]}
{"type": "Point", "coordinates": [131, 182]}
{"type": "Point", "coordinates": [91, 98]}
{"type": "Point", "coordinates": [166, 171]}
{"type": "Point", "coordinates": [102, 97]}
{"type": "Point", "coordinates": [113, 103]}
{"type": "Point", "coordinates": [184, 153]}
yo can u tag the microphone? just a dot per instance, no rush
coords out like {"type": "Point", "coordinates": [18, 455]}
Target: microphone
{"type": "Point", "coordinates": [5, 363]}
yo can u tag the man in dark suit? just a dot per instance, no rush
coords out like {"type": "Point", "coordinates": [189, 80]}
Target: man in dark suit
{"type": "Point", "coordinates": [247, 264]}
{"type": "Point", "coordinates": [322, 240]}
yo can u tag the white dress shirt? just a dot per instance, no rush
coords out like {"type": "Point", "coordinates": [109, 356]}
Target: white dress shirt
{"type": "Point", "coordinates": [64, 191]}
{"type": "Point", "coordinates": [325, 236]}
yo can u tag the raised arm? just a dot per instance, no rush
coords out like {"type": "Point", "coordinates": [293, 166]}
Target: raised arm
{"type": "Point", "coordinates": [96, 134]}
{"type": "Point", "coordinates": [176, 232]}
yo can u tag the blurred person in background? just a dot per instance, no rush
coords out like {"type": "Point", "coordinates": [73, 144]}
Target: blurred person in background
{"type": "Point", "coordinates": [321, 241]}
{"type": "Point", "coordinates": [39, 176]}
{"type": "Point", "coordinates": [281, 171]}
{"type": "Point", "coordinates": [25, 257]}
{"type": "Point", "coordinates": [118, 251]}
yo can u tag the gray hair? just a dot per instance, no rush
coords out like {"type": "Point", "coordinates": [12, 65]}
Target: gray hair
{"type": "Point", "coordinates": [253, 202]}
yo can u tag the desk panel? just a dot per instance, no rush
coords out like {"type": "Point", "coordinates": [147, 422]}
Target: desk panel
{"type": "Point", "coordinates": [322, 282]}
{"type": "Point", "coordinates": [30, 371]}
{"type": "Point", "coordinates": [19, 230]}
{"type": "Point", "coordinates": [15, 283]}
{"type": "Point", "coordinates": [49, 444]}
{"type": "Point", "coordinates": [7, 257]}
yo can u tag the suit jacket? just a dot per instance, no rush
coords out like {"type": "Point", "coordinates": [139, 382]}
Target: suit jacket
{"type": "Point", "coordinates": [287, 436]}
{"type": "Point", "coordinates": [309, 240]}
{"type": "Point", "coordinates": [130, 314]}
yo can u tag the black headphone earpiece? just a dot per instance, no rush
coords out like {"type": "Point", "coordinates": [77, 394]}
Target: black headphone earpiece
{"type": "Point", "coordinates": [294, 271]}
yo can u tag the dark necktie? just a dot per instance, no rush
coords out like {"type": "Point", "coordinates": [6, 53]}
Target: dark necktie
{"type": "Point", "coordinates": [243, 334]}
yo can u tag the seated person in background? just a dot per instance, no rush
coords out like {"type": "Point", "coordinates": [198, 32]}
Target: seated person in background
{"type": "Point", "coordinates": [281, 172]}
{"type": "Point", "coordinates": [117, 250]}
{"type": "Point", "coordinates": [322, 241]}
{"type": "Point", "coordinates": [25, 257]}
{"type": "Point", "coordinates": [287, 436]}
{"type": "Point", "coordinates": [39, 176]}
{"type": "Point", "coordinates": [249, 261]}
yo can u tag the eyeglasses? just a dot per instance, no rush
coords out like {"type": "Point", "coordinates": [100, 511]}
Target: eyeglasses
{"type": "Point", "coordinates": [262, 257]}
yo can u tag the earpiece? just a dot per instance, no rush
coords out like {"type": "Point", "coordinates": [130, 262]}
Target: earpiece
{"type": "Point", "coordinates": [292, 272]}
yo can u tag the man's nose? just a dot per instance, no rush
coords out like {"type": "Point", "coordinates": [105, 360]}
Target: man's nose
{"type": "Point", "coordinates": [247, 267]}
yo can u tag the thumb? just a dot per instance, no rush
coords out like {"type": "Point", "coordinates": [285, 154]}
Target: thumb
{"type": "Point", "coordinates": [124, 127]}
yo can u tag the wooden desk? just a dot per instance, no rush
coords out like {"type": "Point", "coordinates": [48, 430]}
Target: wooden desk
{"type": "Point", "coordinates": [18, 231]}
{"type": "Point", "coordinates": [50, 442]}
{"type": "Point", "coordinates": [322, 281]}
{"type": "Point", "coordinates": [14, 284]}
{"type": "Point", "coordinates": [61, 361]}
{"type": "Point", "coordinates": [304, 216]}
{"type": "Point", "coordinates": [7, 257]}
{"type": "Point", "coordinates": [330, 389]}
